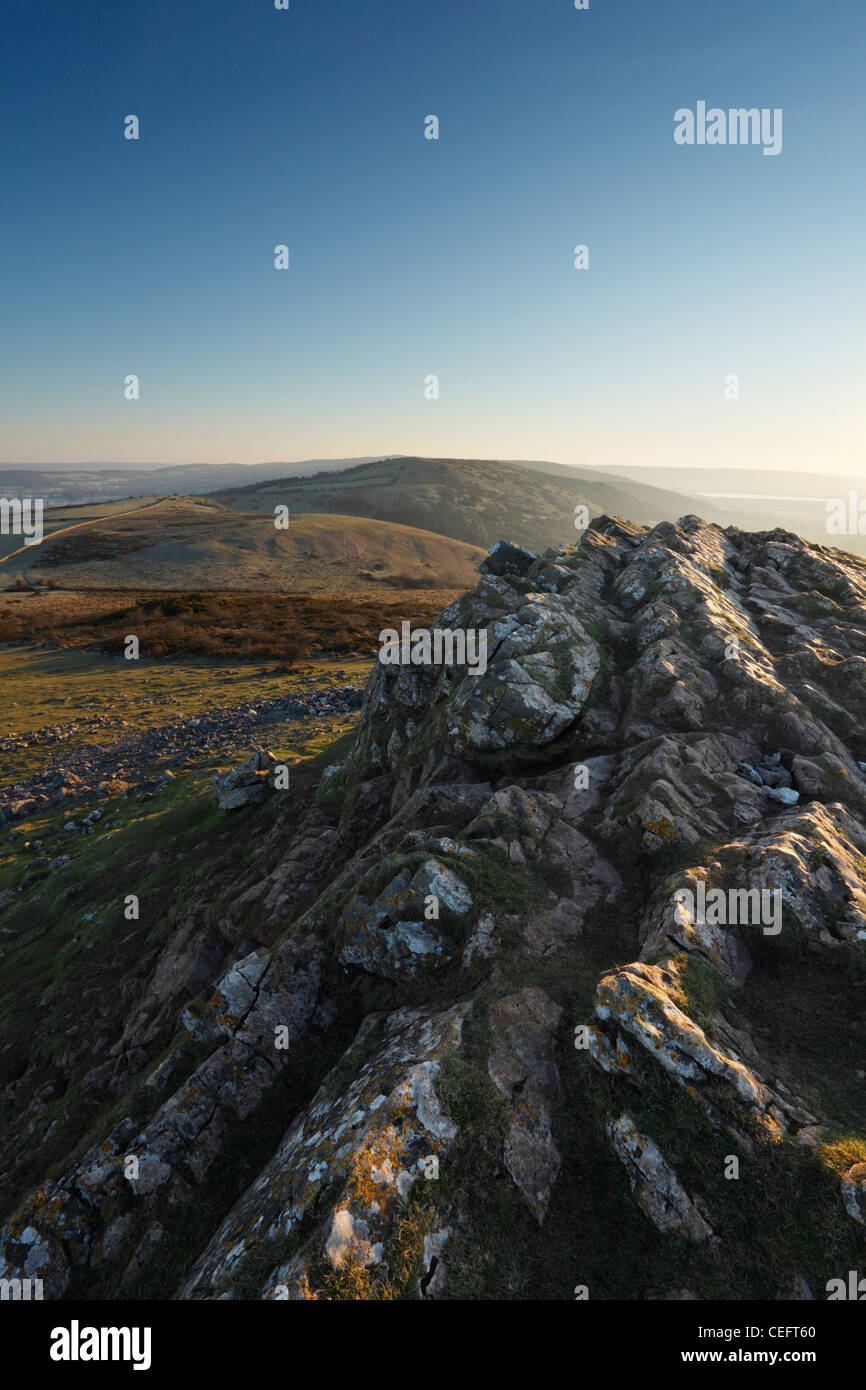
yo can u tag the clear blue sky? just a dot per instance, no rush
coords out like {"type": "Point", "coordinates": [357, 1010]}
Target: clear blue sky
{"type": "Point", "coordinates": [410, 256]}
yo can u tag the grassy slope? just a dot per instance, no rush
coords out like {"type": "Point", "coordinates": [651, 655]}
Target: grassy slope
{"type": "Point", "coordinates": [193, 543]}
{"type": "Point", "coordinates": [46, 687]}
{"type": "Point", "coordinates": [68, 935]}
{"type": "Point", "coordinates": [58, 519]}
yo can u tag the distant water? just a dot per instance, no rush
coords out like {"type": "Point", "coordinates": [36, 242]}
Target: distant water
{"type": "Point", "coordinates": [763, 496]}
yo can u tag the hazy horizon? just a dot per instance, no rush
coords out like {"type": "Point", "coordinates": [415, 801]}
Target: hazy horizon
{"type": "Point", "coordinates": [132, 465]}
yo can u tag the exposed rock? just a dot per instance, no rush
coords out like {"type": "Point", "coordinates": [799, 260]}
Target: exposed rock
{"type": "Point", "coordinates": [665, 708]}
{"type": "Point", "coordinates": [670, 925]}
{"type": "Point", "coordinates": [786, 795]}
{"type": "Point", "coordinates": [638, 998]}
{"type": "Point", "coordinates": [657, 1189]}
{"type": "Point", "coordinates": [523, 1070]}
{"type": "Point", "coordinates": [797, 1292]}
{"type": "Point", "coordinates": [143, 1253]}
{"type": "Point", "coordinates": [350, 1161]}
{"type": "Point", "coordinates": [507, 558]}
{"type": "Point", "coordinates": [247, 784]}
{"type": "Point", "coordinates": [377, 937]}
{"type": "Point", "coordinates": [483, 943]}
{"type": "Point", "coordinates": [513, 814]}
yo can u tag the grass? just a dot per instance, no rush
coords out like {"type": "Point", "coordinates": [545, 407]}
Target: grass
{"type": "Point", "coordinates": [810, 1023]}
{"type": "Point", "coordinates": [594, 1233]}
{"type": "Point", "coordinates": [232, 626]}
{"type": "Point", "coordinates": [196, 542]}
{"type": "Point", "coordinates": [703, 989]}
{"type": "Point", "coordinates": [72, 967]}
{"type": "Point", "coordinates": [71, 689]}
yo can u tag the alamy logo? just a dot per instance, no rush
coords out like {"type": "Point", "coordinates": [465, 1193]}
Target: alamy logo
{"type": "Point", "coordinates": [854, 1291]}
{"type": "Point", "coordinates": [736, 126]}
{"type": "Point", "coordinates": [846, 520]}
{"type": "Point", "coordinates": [22, 517]}
{"type": "Point", "coordinates": [20, 1290]}
{"type": "Point", "coordinates": [736, 906]}
{"type": "Point", "coordinates": [440, 647]}
{"type": "Point", "coordinates": [76, 1343]}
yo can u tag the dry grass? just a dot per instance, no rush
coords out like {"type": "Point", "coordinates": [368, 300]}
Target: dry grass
{"type": "Point", "coordinates": [191, 543]}
{"type": "Point", "coordinates": [235, 625]}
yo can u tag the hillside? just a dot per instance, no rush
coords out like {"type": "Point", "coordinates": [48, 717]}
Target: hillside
{"type": "Point", "coordinates": [449, 1016]}
{"type": "Point", "coordinates": [474, 500]}
{"type": "Point", "coordinates": [16, 556]}
{"type": "Point", "coordinates": [197, 543]}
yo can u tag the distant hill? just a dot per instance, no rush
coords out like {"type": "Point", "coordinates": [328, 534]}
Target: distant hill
{"type": "Point", "coordinates": [478, 501]}
{"type": "Point", "coordinates": [197, 543]}
{"type": "Point", "coordinates": [473, 500]}
{"type": "Point", "coordinates": [103, 482]}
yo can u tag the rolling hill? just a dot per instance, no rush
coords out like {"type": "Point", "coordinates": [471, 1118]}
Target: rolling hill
{"type": "Point", "coordinates": [196, 543]}
{"type": "Point", "coordinates": [473, 500]}
{"type": "Point", "coordinates": [477, 501]}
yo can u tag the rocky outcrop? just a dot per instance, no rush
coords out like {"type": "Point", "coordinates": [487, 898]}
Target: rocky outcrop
{"type": "Point", "coordinates": [638, 1000]}
{"type": "Point", "coordinates": [583, 841]}
{"type": "Point", "coordinates": [248, 784]}
{"type": "Point", "coordinates": [398, 933]}
{"type": "Point", "coordinates": [507, 558]}
{"type": "Point", "coordinates": [67, 1223]}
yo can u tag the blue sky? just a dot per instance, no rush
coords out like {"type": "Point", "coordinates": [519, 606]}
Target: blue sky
{"type": "Point", "coordinates": [411, 257]}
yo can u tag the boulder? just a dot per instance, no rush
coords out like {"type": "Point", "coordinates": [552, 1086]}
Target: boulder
{"type": "Point", "coordinates": [507, 558]}
{"type": "Point", "coordinates": [247, 784]}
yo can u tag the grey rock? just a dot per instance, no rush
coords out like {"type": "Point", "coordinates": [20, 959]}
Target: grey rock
{"type": "Point", "coordinates": [506, 558]}
{"type": "Point", "coordinates": [524, 1072]}
{"type": "Point", "coordinates": [785, 795]}
{"type": "Point", "coordinates": [854, 1194]}
{"type": "Point", "coordinates": [656, 1187]}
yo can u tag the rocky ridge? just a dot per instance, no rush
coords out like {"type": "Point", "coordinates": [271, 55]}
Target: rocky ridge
{"type": "Point", "coordinates": [553, 1056]}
